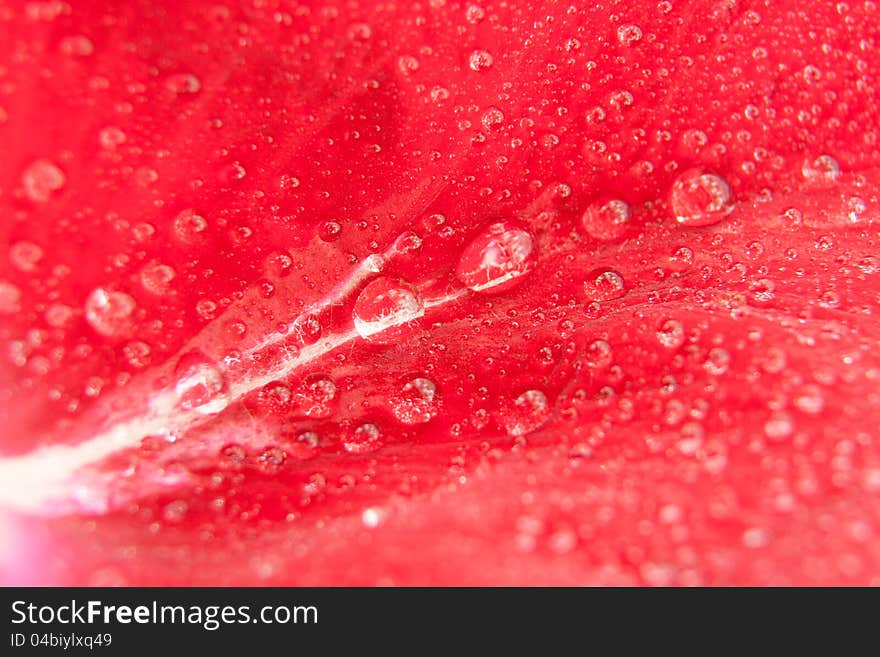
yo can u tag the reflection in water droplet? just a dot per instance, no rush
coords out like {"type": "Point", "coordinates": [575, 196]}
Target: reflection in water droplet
{"type": "Point", "coordinates": [385, 303]}
{"type": "Point", "coordinates": [497, 258]}
{"type": "Point", "coordinates": [200, 384]}
{"type": "Point", "coordinates": [109, 312]}
{"type": "Point", "coordinates": [699, 198]}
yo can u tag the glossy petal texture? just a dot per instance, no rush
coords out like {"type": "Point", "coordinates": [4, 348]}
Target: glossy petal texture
{"type": "Point", "coordinates": [198, 202]}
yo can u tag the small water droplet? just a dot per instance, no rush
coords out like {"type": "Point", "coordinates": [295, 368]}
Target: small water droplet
{"type": "Point", "coordinates": [699, 198]}
{"type": "Point", "coordinates": [25, 256]}
{"type": "Point", "coordinates": [364, 439]}
{"type": "Point", "coordinates": [606, 220]}
{"type": "Point", "coordinates": [526, 414]}
{"type": "Point", "coordinates": [821, 169]}
{"type": "Point", "coordinates": [189, 225]}
{"type": "Point", "coordinates": [604, 285]}
{"type": "Point", "coordinates": [416, 402]}
{"type": "Point", "coordinates": [10, 297]}
{"type": "Point", "coordinates": [183, 83]}
{"type": "Point", "coordinates": [41, 179]}
{"type": "Point", "coordinates": [383, 304]}
{"type": "Point", "coordinates": [497, 258]}
{"type": "Point", "coordinates": [671, 334]}
{"type": "Point", "coordinates": [156, 278]}
{"type": "Point", "coordinates": [627, 35]}
{"type": "Point", "coordinates": [109, 312]}
{"type": "Point", "coordinates": [200, 384]}
{"type": "Point", "coordinates": [480, 60]}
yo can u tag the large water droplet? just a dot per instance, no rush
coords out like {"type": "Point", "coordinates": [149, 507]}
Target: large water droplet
{"type": "Point", "coordinates": [699, 198]}
{"type": "Point", "coordinates": [671, 334]}
{"type": "Point", "coordinates": [497, 258]}
{"type": "Point", "coordinates": [156, 277]}
{"type": "Point", "coordinates": [480, 60]}
{"type": "Point", "coordinates": [385, 303]}
{"type": "Point", "coordinates": [109, 312]}
{"type": "Point", "coordinates": [200, 384]}
{"type": "Point", "coordinates": [606, 220]}
{"type": "Point", "coordinates": [41, 179]}
{"type": "Point", "coordinates": [416, 402]}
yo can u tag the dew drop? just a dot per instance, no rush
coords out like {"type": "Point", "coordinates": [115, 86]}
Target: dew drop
{"type": "Point", "coordinates": [821, 169]}
{"type": "Point", "coordinates": [497, 258]}
{"type": "Point", "coordinates": [671, 334]}
{"type": "Point", "coordinates": [315, 398]}
{"type": "Point", "coordinates": [526, 414]}
{"type": "Point", "coordinates": [606, 220]}
{"type": "Point", "coordinates": [627, 35]}
{"type": "Point", "coordinates": [364, 439]}
{"type": "Point", "coordinates": [416, 402]}
{"type": "Point", "coordinates": [25, 256]}
{"type": "Point", "coordinates": [779, 427]}
{"type": "Point", "coordinates": [200, 384]}
{"type": "Point", "coordinates": [41, 179]}
{"type": "Point", "coordinates": [10, 297]}
{"type": "Point", "coordinates": [109, 312]}
{"type": "Point", "coordinates": [699, 198]}
{"type": "Point", "coordinates": [188, 225]}
{"type": "Point", "coordinates": [604, 285]}
{"type": "Point", "coordinates": [383, 304]}
{"type": "Point", "coordinates": [183, 83]}
{"type": "Point", "coordinates": [156, 278]}
{"type": "Point", "coordinates": [480, 60]}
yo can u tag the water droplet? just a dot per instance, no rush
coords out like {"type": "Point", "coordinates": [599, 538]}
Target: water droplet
{"type": "Point", "coordinates": [271, 459]}
{"type": "Point", "coordinates": [416, 402]}
{"type": "Point", "coordinates": [10, 296]}
{"type": "Point", "coordinates": [480, 60]}
{"type": "Point", "coordinates": [810, 400]}
{"type": "Point", "coordinates": [779, 427]}
{"type": "Point", "coordinates": [303, 445]}
{"type": "Point", "coordinates": [188, 225]}
{"type": "Point", "coordinates": [365, 438]}
{"type": "Point", "coordinates": [821, 169]}
{"type": "Point", "coordinates": [599, 355]}
{"type": "Point", "coordinates": [698, 198]}
{"type": "Point", "coordinates": [200, 385]}
{"type": "Point", "coordinates": [25, 256]}
{"type": "Point", "coordinates": [717, 361]}
{"type": "Point", "coordinates": [315, 398]}
{"type": "Point", "coordinates": [497, 258]}
{"type": "Point", "coordinates": [137, 353]}
{"type": "Point", "coordinates": [109, 312]}
{"type": "Point", "coordinates": [111, 137]}
{"type": "Point", "coordinates": [606, 220]}
{"type": "Point", "coordinates": [385, 303]}
{"type": "Point", "coordinates": [183, 83]}
{"type": "Point", "coordinates": [41, 179]}
{"type": "Point", "coordinates": [526, 414]}
{"type": "Point", "coordinates": [604, 285]}
{"type": "Point", "coordinates": [156, 278]}
{"type": "Point", "coordinates": [407, 64]}
{"type": "Point", "coordinates": [492, 118]}
{"type": "Point", "coordinates": [627, 35]}
{"type": "Point", "coordinates": [671, 334]}
{"type": "Point", "coordinates": [329, 231]}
